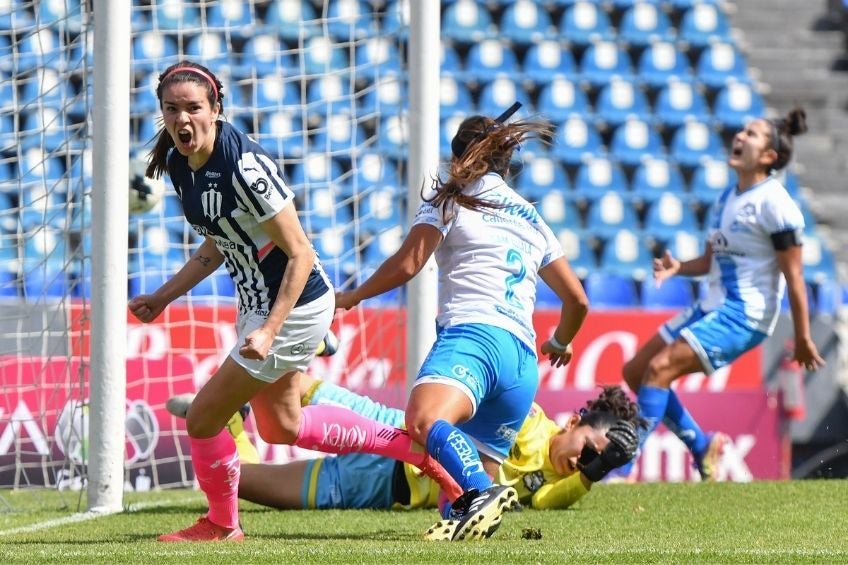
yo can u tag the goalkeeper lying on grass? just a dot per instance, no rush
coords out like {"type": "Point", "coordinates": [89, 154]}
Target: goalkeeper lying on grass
{"type": "Point", "coordinates": [549, 466]}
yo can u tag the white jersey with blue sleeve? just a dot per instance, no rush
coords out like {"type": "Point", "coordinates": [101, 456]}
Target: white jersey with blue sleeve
{"type": "Point", "coordinates": [744, 274]}
{"type": "Point", "coordinates": [489, 259]}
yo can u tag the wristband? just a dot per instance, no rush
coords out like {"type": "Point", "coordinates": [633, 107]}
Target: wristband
{"type": "Point", "coordinates": [556, 344]}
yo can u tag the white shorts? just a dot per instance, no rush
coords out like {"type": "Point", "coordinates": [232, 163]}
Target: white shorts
{"type": "Point", "coordinates": [295, 345]}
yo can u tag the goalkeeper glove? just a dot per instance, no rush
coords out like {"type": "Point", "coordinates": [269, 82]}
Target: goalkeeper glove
{"type": "Point", "coordinates": [624, 441]}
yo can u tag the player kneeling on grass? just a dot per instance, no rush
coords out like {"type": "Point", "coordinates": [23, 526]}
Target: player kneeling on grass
{"type": "Point", "coordinates": [549, 466]}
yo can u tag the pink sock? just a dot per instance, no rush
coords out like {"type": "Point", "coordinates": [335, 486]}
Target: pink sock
{"type": "Point", "coordinates": [333, 429]}
{"type": "Point", "coordinates": [217, 468]}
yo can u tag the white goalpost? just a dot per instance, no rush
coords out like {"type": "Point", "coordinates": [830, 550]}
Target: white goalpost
{"type": "Point", "coordinates": [345, 94]}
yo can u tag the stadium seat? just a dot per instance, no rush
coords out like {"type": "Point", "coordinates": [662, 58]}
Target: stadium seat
{"type": "Point", "coordinates": [218, 285]}
{"type": "Point", "coordinates": [211, 50]}
{"type": "Point", "coordinates": [709, 179]}
{"type": "Point", "coordinates": [736, 104]}
{"type": "Point", "coordinates": [576, 140]}
{"type": "Point", "coordinates": [280, 134]}
{"type": "Point", "coordinates": [393, 136]}
{"type": "Point", "coordinates": [635, 140]}
{"type": "Point", "coordinates": [490, 59]}
{"type": "Point", "coordinates": [153, 52]}
{"type": "Point", "coordinates": [40, 49]}
{"type": "Point", "coordinates": [675, 293]}
{"type": "Point", "coordinates": [662, 62]}
{"type": "Point", "coordinates": [8, 133]}
{"type": "Point", "coordinates": [720, 64]}
{"type": "Point", "coordinates": [609, 291]}
{"type": "Point", "coordinates": [644, 23]}
{"type": "Point", "coordinates": [454, 95]}
{"type": "Point", "coordinates": [338, 135]}
{"type": "Point", "coordinates": [819, 262]}
{"type": "Point", "coordinates": [678, 102]}
{"type": "Point", "coordinates": [685, 246]}
{"type": "Point", "coordinates": [292, 20]}
{"type": "Point", "coordinates": [382, 246]}
{"type": "Point", "coordinates": [377, 57]}
{"type": "Point", "coordinates": [619, 101]}
{"type": "Point", "coordinates": [546, 298]}
{"type": "Point", "coordinates": [263, 56]}
{"type": "Point", "coordinates": [669, 214]}
{"type": "Point", "coordinates": [653, 177]}
{"type": "Point", "coordinates": [811, 300]}
{"type": "Point", "coordinates": [499, 94]}
{"type": "Point", "coordinates": [9, 283]}
{"type": "Point", "coordinates": [540, 176]}
{"type": "Point", "coordinates": [467, 21]}
{"type": "Point", "coordinates": [558, 210]}
{"type": "Point", "coordinates": [62, 16]}
{"type": "Point", "coordinates": [578, 251]}
{"type": "Point", "coordinates": [585, 23]}
{"type": "Point", "coordinates": [609, 214]}
{"type": "Point", "coordinates": [329, 93]}
{"type": "Point", "coordinates": [829, 297]}
{"type": "Point", "coordinates": [271, 93]}
{"type": "Point", "coordinates": [233, 15]}
{"type": "Point", "coordinates": [348, 20]}
{"type": "Point", "coordinates": [561, 98]}
{"type": "Point", "coordinates": [386, 95]}
{"type": "Point", "coordinates": [321, 56]}
{"type": "Point", "coordinates": [44, 88]}
{"type": "Point", "coordinates": [603, 61]}
{"type": "Point", "coordinates": [627, 255]}
{"type": "Point", "coordinates": [694, 142]}
{"type": "Point", "coordinates": [450, 62]}
{"type": "Point", "coordinates": [336, 247]}
{"type": "Point", "coordinates": [548, 60]}
{"type": "Point", "coordinates": [44, 282]}
{"type": "Point", "coordinates": [37, 164]}
{"type": "Point", "coordinates": [703, 24]}
{"type": "Point", "coordinates": [323, 205]}
{"type": "Point", "coordinates": [379, 208]}
{"type": "Point", "coordinates": [596, 177]}
{"type": "Point", "coordinates": [525, 22]}
{"type": "Point", "coordinates": [396, 18]}
{"type": "Point", "coordinates": [173, 16]}
{"type": "Point", "coordinates": [11, 19]}
{"type": "Point", "coordinates": [144, 101]}
{"type": "Point", "coordinates": [316, 171]}
{"type": "Point", "coordinates": [373, 169]}
{"type": "Point", "coordinates": [449, 127]}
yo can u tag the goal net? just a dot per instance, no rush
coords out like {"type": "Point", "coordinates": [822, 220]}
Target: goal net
{"type": "Point", "coordinates": [322, 85]}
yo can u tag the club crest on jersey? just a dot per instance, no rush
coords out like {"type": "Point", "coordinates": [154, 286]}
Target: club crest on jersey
{"type": "Point", "coordinates": [211, 200]}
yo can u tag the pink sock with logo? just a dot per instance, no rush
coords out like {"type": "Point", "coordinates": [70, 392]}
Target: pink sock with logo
{"type": "Point", "coordinates": [217, 468]}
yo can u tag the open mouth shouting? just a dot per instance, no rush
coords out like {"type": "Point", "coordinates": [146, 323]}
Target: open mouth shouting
{"type": "Point", "coordinates": [184, 138]}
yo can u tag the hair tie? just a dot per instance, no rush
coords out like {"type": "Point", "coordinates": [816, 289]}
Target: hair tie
{"type": "Point", "coordinates": [197, 71]}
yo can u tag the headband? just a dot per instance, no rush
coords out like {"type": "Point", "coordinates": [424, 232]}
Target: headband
{"type": "Point", "coordinates": [197, 71]}
{"type": "Point", "coordinates": [458, 148]}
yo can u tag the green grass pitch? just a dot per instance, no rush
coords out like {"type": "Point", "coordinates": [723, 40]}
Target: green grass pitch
{"type": "Point", "coordinates": [764, 522]}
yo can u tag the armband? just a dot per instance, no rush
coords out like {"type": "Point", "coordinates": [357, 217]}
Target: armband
{"type": "Point", "coordinates": [783, 240]}
{"type": "Point", "coordinates": [556, 344]}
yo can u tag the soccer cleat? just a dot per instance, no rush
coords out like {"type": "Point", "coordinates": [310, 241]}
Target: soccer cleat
{"type": "Point", "coordinates": [178, 406]}
{"type": "Point", "coordinates": [707, 463]}
{"type": "Point", "coordinates": [204, 530]}
{"type": "Point", "coordinates": [475, 515]}
{"type": "Point", "coordinates": [328, 346]}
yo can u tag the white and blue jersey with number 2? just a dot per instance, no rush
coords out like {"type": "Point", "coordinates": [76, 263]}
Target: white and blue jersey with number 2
{"type": "Point", "coordinates": [486, 345]}
{"type": "Point", "coordinates": [227, 199]}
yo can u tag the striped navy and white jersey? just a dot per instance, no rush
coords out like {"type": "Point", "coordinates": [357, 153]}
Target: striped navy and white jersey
{"type": "Point", "coordinates": [227, 199]}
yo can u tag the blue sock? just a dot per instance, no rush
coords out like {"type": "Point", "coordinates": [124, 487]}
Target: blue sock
{"type": "Point", "coordinates": [653, 402]}
{"type": "Point", "coordinates": [457, 454]}
{"type": "Point", "coordinates": [680, 421]}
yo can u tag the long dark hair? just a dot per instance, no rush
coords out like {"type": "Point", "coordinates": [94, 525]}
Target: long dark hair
{"type": "Point", "coordinates": [783, 130]}
{"type": "Point", "coordinates": [481, 145]}
{"type": "Point", "coordinates": [184, 71]}
{"type": "Point", "coordinates": [611, 405]}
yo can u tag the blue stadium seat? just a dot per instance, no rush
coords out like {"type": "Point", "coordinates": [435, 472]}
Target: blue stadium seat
{"type": "Point", "coordinates": [561, 98]}
{"type": "Point", "coordinates": [43, 247]}
{"type": "Point", "coordinates": [610, 291]}
{"type": "Point", "coordinates": [336, 247]}
{"type": "Point", "coordinates": [683, 5]}
{"type": "Point", "coordinates": [819, 262]}
{"type": "Point", "coordinates": [292, 20]}
{"type": "Point", "coordinates": [685, 245]}
{"type": "Point", "coordinates": [8, 133]}
{"type": "Point", "coordinates": [8, 281]}
{"type": "Point", "coordinates": [695, 141]}
{"type": "Point", "coordinates": [272, 93]}
{"type": "Point", "coordinates": [40, 49]}
{"type": "Point", "coordinates": [644, 23]}
{"type": "Point", "coordinates": [584, 23]}
{"type": "Point", "coordinates": [338, 134]}
{"type": "Point", "coordinates": [210, 50]}
{"type": "Point", "coordinates": [380, 207]}
{"type": "Point", "coordinates": [382, 246]}
{"type": "Point", "coordinates": [12, 19]}
{"type": "Point", "coordinates": [449, 127]}
{"type": "Point", "coordinates": [609, 214]}
{"type": "Point", "coordinates": [450, 62]}
{"type": "Point", "coordinates": [736, 104]}
{"type": "Point", "coordinates": [281, 134]}
{"type": "Point", "coordinates": [454, 95]}
{"type": "Point", "coordinates": [627, 255]}
{"type": "Point", "coordinates": [811, 300]}
{"type": "Point", "coordinates": [669, 214]}
{"type": "Point", "coordinates": [499, 94]}
{"type": "Point", "coordinates": [653, 177]}
{"type": "Point", "coordinates": [373, 169]}
{"type": "Point", "coordinates": [322, 206]}
{"type": "Point", "coordinates": [540, 176]}
{"type": "Point", "coordinates": [490, 59]}
{"type": "Point", "coordinates": [350, 19]}
{"type": "Point", "coordinates": [321, 55]}
{"type": "Point", "coordinates": [44, 88]}
{"type": "Point", "coordinates": [218, 285]}
{"type": "Point", "coordinates": [44, 282]}
{"type": "Point", "coordinates": [675, 293]}
{"type": "Point", "coordinates": [603, 61]}
{"type": "Point", "coordinates": [329, 93]}
{"type": "Point", "coordinates": [829, 297]}
{"type": "Point", "coordinates": [386, 95]}
{"type": "Point", "coordinates": [467, 21]}
{"type": "Point", "coordinates": [598, 176]}
{"type": "Point", "coordinates": [377, 56]}
{"type": "Point", "coordinates": [709, 179]}
{"type": "Point", "coordinates": [173, 16]}
{"type": "Point", "coordinates": [578, 251]}
{"type": "Point", "coordinates": [662, 62]}
{"type": "Point", "coordinates": [393, 136]}
{"type": "Point", "coordinates": [63, 16]}
{"type": "Point", "coordinates": [263, 56]}
{"type": "Point", "coordinates": [546, 298]}
{"type": "Point", "coordinates": [558, 210]}
{"type": "Point", "coordinates": [679, 102]}
{"type": "Point", "coordinates": [703, 24]}
{"type": "Point", "coordinates": [619, 101]}
{"type": "Point", "coordinates": [720, 64]}
{"type": "Point", "coordinates": [316, 171]}
{"type": "Point", "coordinates": [396, 18]}
{"type": "Point", "coordinates": [635, 140]}
{"type": "Point", "coordinates": [525, 22]}
{"type": "Point", "coordinates": [233, 15]}
{"type": "Point", "coordinates": [576, 140]}
{"type": "Point", "coordinates": [153, 52]}
{"type": "Point", "coordinates": [548, 60]}
{"type": "Point", "coordinates": [144, 101]}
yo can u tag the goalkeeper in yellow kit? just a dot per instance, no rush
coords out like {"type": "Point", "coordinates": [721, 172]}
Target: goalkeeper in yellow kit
{"type": "Point", "coordinates": [549, 466]}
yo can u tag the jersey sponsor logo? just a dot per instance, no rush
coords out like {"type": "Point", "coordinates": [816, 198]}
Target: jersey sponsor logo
{"type": "Point", "coordinates": [213, 175]}
{"type": "Point", "coordinates": [466, 453]}
{"type": "Point", "coordinates": [212, 200]}
{"type": "Point", "coordinates": [507, 433]}
{"type": "Point", "coordinates": [260, 187]}
{"type": "Point", "coordinates": [297, 349]}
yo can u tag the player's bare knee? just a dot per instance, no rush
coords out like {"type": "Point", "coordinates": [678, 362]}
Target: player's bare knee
{"type": "Point", "coordinates": [660, 373]}
{"type": "Point", "coordinates": [633, 373]}
{"type": "Point", "coordinates": [418, 426]}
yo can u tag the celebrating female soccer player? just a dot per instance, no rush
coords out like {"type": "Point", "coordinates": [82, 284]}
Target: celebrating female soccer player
{"type": "Point", "coordinates": [480, 377]}
{"type": "Point", "coordinates": [753, 252]}
{"type": "Point", "coordinates": [544, 466]}
{"type": "Point", "coordinates": [233, 195]}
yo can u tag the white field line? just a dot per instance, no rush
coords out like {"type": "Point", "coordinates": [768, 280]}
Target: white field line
{"type": "Point", "coordinates": [84, 517]}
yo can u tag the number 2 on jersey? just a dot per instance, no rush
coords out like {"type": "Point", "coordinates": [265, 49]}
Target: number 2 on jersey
{"type": "Point", "coordinates": [513, 257]}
